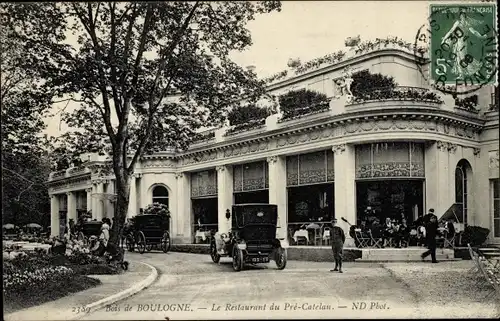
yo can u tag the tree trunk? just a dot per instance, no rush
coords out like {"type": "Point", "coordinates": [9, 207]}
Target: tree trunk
{"type": "Point", "coordinates": [121, 206]}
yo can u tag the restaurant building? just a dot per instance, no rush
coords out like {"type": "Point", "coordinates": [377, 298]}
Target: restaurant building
{"type": "Point", "coordinates": [399, 155]}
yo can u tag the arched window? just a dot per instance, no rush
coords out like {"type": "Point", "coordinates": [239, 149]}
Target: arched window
{"type": "Point", "coordinates": [160, 195]}
{"type": "Point", "coordinates": [461, 188]}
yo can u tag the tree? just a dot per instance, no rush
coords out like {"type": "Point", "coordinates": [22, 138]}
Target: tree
{"type": "Point", "coordinates": [129, 61]}
{"type": "Point", "coordinates": [25, 164]}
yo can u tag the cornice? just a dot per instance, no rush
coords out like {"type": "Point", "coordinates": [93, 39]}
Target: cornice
{"type": "Point", "coordinates": [353, 60]}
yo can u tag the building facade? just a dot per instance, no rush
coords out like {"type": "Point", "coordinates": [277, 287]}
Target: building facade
{"type": "Point", "coordinates": [396, 155]}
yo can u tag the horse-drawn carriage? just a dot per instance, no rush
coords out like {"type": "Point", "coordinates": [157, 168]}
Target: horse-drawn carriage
{"type": "Point", "coordinates": [148, 231]}
{"type": "Point", "coordinates": [252, 238]}
{"type": "Point", "coordinates": [85, 230]}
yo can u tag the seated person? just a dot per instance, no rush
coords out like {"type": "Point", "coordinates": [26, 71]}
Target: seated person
{"type": "Point", "coordinates": [388, 231]}
{"type": "Point", "coordinates": [404, 233]}
{"type": "Point", "coordinates": [450, 228]}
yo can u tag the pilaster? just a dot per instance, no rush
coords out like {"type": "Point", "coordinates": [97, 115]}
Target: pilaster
{"type": "Point", "coordinates": [99, 201]}
{"type": "Point", "coordinates": [438, 187]}
{"type": "Point", "coordinates": [132, 200]}
{"type": "Point", "coordinates": [278, 192]}
{"type": "Point", "coordinates": [71, 207]}
{"type": "Point", "coordinates": [224, 196]}
{"type": "Point", "coordinates": [54, 215]}
{"type": "Point", "coordinates": [183, 217]}
{"type": "Point", "coordinates": [89, 199]}
{"type": "Point", "coordinates": [345, 187]}
{"type": "Point", "coordinates": [110, 210]}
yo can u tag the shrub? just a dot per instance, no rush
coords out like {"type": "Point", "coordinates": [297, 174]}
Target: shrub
{"type": "Point", "coordinates": [302, 102]}
{"type": "Point", "coordinates": [158, 209]}
{"type": "Point", "coordinates": [475, 235]}
{"type": "Point", "coordinates": [364, 82]}
{"type": "Point", "coordinates": [245, 114]}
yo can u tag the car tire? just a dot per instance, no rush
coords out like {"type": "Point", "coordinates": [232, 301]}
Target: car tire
{"type": "Point", "coordinates": [213, 252]}
{"type": "Point", "coordinates": [238, 259]}
{"type": "Point", "coordinates": [281, 257]}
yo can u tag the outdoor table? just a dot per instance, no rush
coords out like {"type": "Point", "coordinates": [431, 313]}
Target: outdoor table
{"type": "Point", "coordinates": [301, 233]}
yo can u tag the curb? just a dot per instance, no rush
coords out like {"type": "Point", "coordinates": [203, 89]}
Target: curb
{"type": "Point", "coordinates": [123, 294]}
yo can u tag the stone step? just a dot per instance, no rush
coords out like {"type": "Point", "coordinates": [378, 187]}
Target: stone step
{"type": "Point", "coordinates": [409, 260]}
{"type": "Point", "coordinates": [404, 257]}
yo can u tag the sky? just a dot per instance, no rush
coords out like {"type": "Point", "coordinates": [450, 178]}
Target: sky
{"type": "Point", "coordinates": [311, 29]}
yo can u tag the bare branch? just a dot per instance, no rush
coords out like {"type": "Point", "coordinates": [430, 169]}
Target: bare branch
{"type": "Point", "coordinates": [116, 97]}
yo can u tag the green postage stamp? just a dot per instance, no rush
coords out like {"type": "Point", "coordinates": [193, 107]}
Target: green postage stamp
{"type": "Point", "coordinates": [463, 44]}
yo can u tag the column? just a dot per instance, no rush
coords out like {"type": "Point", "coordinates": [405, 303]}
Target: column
{"type": "Point", "coordinates": [95, 200]}
{"type": "Point", "coordinates": [278, 192]}
{"type": "Point", "coordinates": [89, 199]}
{"type": "Point", "coordinates": [110, 211]}
{"type": "Point", "coordinates": [183, 215]}
{"type": "Point", "coordinates": [71, 207]}
{"type": "Point", "coordinates": [345, 187]}
{"type": "Point", "coordinates": [54, 215]}
{"type": "Point", "coordinates": [99, 201]}
{"type": "Point", "coordinates": [143, 200]}
{"type": "Point", "coordinates": [132, 199]}
{"type": "Point", "coordinates": [224, 196]}
{"type": "Point", "coordinates": [437, 184]}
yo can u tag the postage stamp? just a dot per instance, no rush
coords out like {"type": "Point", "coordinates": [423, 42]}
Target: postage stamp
{"type": "Point", "coordinates": [463, 48]}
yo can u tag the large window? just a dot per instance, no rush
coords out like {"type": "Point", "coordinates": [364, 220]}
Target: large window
{"type": "Point", "coordinates": [461, 196]}
{"type": "Point", "coordinates": [496, 207]}
{"type": "Point", "coordinates": [160, 195]}
{"type": "Point", "coordinates": [390, 159]}
{"type": "Point", "coordinates": [311, 168]}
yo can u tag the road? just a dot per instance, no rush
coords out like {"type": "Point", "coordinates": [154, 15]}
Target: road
{"type": "Point", "coordinates": [191, 286]}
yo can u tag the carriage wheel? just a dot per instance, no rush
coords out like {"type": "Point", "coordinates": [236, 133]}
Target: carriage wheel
{"type": "Point", "coordinates": [213, 252]}
{"type": "Point", "coordinates": [238, 259]}
{"type": "Point", "coordinates": [130, 243]}
{"type": "Point", "coordinates": [165, 242]}
{"type": "Point", "coordinates": [141, 243]}
{"type": "Point", "coordinates": [281, 258]}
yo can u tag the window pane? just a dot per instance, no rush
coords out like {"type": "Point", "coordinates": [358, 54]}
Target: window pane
{"type": "Point", "coordinates": [237, 178]}
{"type": "Point", "coordinates": [496, 188]}
{"type": "Point", "coordinates": [458, 186]}
{"type": "Point", "coordinates": [496, 227]}
{"type": "Point", "coordinates": [330, 166]}
{"type": "Point", "coordinates": [363, 161]}
{"type": "Point", "coordinates": [160, 191]}
{"type": "Point", "coordinates": [292, 171]}
{"type": "Point", "coordinates": [496, 208]}
{"type": "Point", "coordinates": [253, 176]}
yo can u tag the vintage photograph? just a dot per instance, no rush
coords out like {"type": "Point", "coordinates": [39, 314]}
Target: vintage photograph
{"type": "Point", "coordinates": [220, 160]}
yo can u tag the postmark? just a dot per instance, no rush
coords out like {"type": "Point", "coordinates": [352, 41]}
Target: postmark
{"type": "Point", "coordinates": [462, 47]}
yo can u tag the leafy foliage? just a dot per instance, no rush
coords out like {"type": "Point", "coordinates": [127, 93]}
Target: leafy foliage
{"type": "Point", "coordinates": [157, 209]}
{"type": "Point", "coordinates": [244, 114]}
{"type": "Point", "coordinates": [469, 103]}
{"type": "Point", "coordinates": [25, 164]}
{"type": "Point", "coordinates": [364, 81]}
{"type": "Point", "coordinates": [146, 75]}
{"type": "Point", "coordinates": [300, 102]}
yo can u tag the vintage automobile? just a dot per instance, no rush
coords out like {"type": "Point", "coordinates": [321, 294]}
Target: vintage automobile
{"type": "Point", "coordinates": [148, 230]}
{"type": "Point", "coordinates": [252, 238]}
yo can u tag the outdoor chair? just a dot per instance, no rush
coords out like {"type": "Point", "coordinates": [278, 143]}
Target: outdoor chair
{"type": "Point", "coordinates": [375, 240]}
{"type": "Point", "coordinates": [362, 240]}
{"type": "Point", "coordinates": [449, 240]}
{"type": "Point", "coordinates": [326, 235]}
{"type": "Point", "coordinates": [299, 239]}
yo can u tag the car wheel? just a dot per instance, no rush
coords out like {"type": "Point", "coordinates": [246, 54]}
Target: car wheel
{"type": "Point", "coordinates": [165, 244]}
{"type": "Point", "coordinates": [238, 259]}
{"type": "Point", "coordinates": [213, 252]}
{"type": "Point", "coordinates": [280, 258]}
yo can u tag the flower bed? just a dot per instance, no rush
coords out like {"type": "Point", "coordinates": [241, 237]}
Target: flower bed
{"type": "Point", "coordinates": [34, 277]}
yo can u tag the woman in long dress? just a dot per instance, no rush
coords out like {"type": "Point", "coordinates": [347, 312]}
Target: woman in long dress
{"type": "Point", "coordinates": [460, 47]}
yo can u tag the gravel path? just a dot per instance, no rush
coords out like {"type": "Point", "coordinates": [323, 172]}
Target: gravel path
{"type": "Point", "coordinates": [435, 288]}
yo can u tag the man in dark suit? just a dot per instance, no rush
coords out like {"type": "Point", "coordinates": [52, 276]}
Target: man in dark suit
{"type": "Point", "coordinates": [428, 216]}
{"type": "Point", "coordinates": [337, 237]}
{"type": "Point", "coordinates": [431, 229]}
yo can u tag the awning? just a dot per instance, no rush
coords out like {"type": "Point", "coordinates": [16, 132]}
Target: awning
{"type": "Point", "coordinates": [455, 211]}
